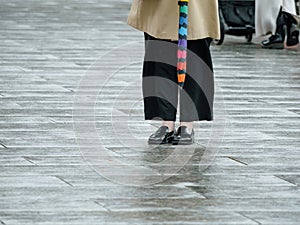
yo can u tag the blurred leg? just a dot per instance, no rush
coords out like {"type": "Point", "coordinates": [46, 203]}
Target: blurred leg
{"type": "Point", "coordinates": [289, 6]}
{"type": "Point", "coordinates": [266, 12]}
{"type": "Point", "coordinates": [277, 39]}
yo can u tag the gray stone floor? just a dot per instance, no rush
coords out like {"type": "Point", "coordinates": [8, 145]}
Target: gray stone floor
{"type": "Point", "coordinates": [46, 48]}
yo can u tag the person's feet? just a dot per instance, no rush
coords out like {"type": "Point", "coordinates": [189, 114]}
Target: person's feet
{"type": "Point", "coordinates": [169, 124]}
{"type": "Point", "coordinates": [189, 125]}
{"type": "Point", "coordinates": [183, 136]}
{"type": "Point", "coordinates": [162, 136]}
{"type": "Point", "coordinates": [166, 135]}
{"type": "Point", "coordinates": [292, 37]}
{"type": "Point", "coordinates": [274, 42]}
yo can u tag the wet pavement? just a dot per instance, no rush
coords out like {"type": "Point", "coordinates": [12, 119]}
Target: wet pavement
{"type": "Point", "coordinates": [244, 168]}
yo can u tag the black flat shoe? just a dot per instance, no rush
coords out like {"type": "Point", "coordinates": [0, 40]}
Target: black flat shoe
{"type": "Point", "coordinates": [161, 136]}
{"type": "Point", "coordinates": [274, 42]}
{"type": "Point", "coordinates": [183, 136]}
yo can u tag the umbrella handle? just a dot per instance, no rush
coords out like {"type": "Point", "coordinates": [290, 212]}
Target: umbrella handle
{"type": "Point", "coordinates": [182, 1]}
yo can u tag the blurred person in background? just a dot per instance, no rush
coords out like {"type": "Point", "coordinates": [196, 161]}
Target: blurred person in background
{"type": "Point", "coordinates": [278, 18]}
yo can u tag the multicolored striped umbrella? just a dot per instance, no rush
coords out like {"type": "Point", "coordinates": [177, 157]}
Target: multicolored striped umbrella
{"type": "Point", "coordinates": [182, 41]}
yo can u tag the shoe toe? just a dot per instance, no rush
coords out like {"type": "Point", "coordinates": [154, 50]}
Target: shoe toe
{"type": "Point", "coordinates": [183, 136]}
{"type": "Point", "coordinates": [161, 136]}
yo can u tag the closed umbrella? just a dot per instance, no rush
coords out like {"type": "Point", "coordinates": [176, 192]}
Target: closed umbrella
{"type": "Point", "coordinates": [182, 41]}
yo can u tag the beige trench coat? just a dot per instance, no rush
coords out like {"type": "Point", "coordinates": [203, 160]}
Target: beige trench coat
{"type": "Point", "coordinates": [159, 18]}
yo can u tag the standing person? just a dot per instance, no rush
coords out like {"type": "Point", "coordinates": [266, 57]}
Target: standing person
{"type": "Point", "coordinates": [158, 19]}
{"type": "Point", "coordinates": [273, 17]}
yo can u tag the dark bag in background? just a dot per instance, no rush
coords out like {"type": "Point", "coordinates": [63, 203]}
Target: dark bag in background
{"type": "Point", "coordinates": [238, 13]}
{"type": "Point", "coordinates": [237, 18]}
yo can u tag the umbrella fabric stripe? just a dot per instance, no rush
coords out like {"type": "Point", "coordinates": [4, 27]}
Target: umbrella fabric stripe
{"type": "Point", "coordinates": [181, 78]}
{"type": "Point", "coordinates": [184, 8]}
{"type": "Point", "coordinates": [181, 54]}
{"type": "Point", "coordinates": [182, 31]}
{"type": "Point", "coordinates": [182, 42]}
{"type": "Point", "coordinates": [181, 66]}
{"type": "Point", "coordinates": [182, 36]}
{"type": "Point", "coordinates": [183, 20]}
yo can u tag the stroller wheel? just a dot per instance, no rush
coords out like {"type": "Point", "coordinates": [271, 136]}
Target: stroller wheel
{"type": "Point", "coordinates": [249, 37]}
{"type": "Point", "coordinates": [220, 41]}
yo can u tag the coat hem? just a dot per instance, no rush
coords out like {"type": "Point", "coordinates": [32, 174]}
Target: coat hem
{"type": "Point", "coordinates": [167, 36]}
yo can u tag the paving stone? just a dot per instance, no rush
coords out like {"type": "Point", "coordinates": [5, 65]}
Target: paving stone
{"type": "Point", "coordinates": [47, 47]}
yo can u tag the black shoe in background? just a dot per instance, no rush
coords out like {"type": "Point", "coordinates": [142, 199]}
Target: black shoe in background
{"type": "Point", "coordinates": [292, 32]}
{"type": "Point", "coordinates": [275, 42]}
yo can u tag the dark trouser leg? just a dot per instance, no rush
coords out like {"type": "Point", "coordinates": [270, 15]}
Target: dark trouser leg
{"type": "Point", "coordinates": [159, 83]}
{"type": "Point", "coordinates": [196, 99]}
{"type": "Point", "coordinates": [160, 98]}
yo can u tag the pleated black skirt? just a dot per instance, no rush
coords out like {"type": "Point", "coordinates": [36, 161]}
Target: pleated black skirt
{"type": "Point", "coordinates": [160, 90]}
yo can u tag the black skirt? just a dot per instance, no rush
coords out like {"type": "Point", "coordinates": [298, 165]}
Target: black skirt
{"type": "Point", "coordinates": [160, 90]}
